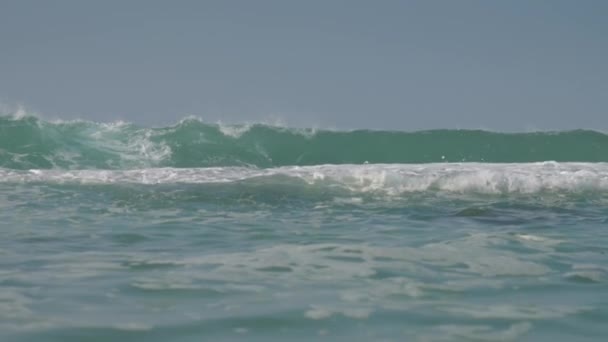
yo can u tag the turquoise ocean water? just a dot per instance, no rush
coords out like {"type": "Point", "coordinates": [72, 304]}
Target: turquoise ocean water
{"type": "Point", "coordinates": [199, 232]}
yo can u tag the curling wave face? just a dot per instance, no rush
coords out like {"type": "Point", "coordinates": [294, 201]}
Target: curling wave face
{"type": "Point", "coordinates": [28, 142]}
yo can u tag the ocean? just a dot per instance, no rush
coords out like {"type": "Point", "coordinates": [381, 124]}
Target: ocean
{"type": "Point", "coordinates": [208, 232]}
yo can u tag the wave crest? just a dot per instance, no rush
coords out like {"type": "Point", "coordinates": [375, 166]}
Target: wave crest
{"type": "Point", "coordinates": [28, 142]}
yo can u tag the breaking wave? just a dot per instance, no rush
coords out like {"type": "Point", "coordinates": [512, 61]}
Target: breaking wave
{"type": "Point", "coordinates": [28, 142]}
{"type": "Point", "coordinates": [385, 179]}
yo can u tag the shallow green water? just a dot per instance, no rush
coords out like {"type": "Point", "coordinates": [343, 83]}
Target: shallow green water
{"type": "Point", "coordinates": [263, 261]}
{"type": "Point", "coordinates": [387, 252]}
{"type": "Point", "coordinates": [32, 143]}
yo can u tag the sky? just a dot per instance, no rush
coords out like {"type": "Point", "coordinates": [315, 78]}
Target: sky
{"type": "Point", "coordinates": [516, 65]}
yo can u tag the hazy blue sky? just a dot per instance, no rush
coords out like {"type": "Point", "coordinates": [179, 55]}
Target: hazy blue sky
{"type": "Point", "coordinates": [500, 65]}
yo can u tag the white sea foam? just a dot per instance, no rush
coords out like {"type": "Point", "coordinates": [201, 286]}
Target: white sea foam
{"type": "Point", "coordinates": [320, 312]}
{"type": "Point", "coordinates": [137, 148]}
{"type": "Point", "coordinates": [234, 131]}
{"type": "Point", "coordinates": [515, 312]}
{"type": "Point", "coordinates": [16, 112]}
{"type": "Point", "coordinates": [390, 179]}
{"type": "Point", "coordinates": [344, 263]}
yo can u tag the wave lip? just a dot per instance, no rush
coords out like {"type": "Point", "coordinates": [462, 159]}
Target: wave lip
{"type": "Point", "coordinates": [389, 179]}
{"type": "Point", "coordinates": [28, 142]}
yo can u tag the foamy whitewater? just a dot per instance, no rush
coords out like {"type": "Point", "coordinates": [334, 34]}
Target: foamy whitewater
{"type": "Point", "coordinates": [206, 232]}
